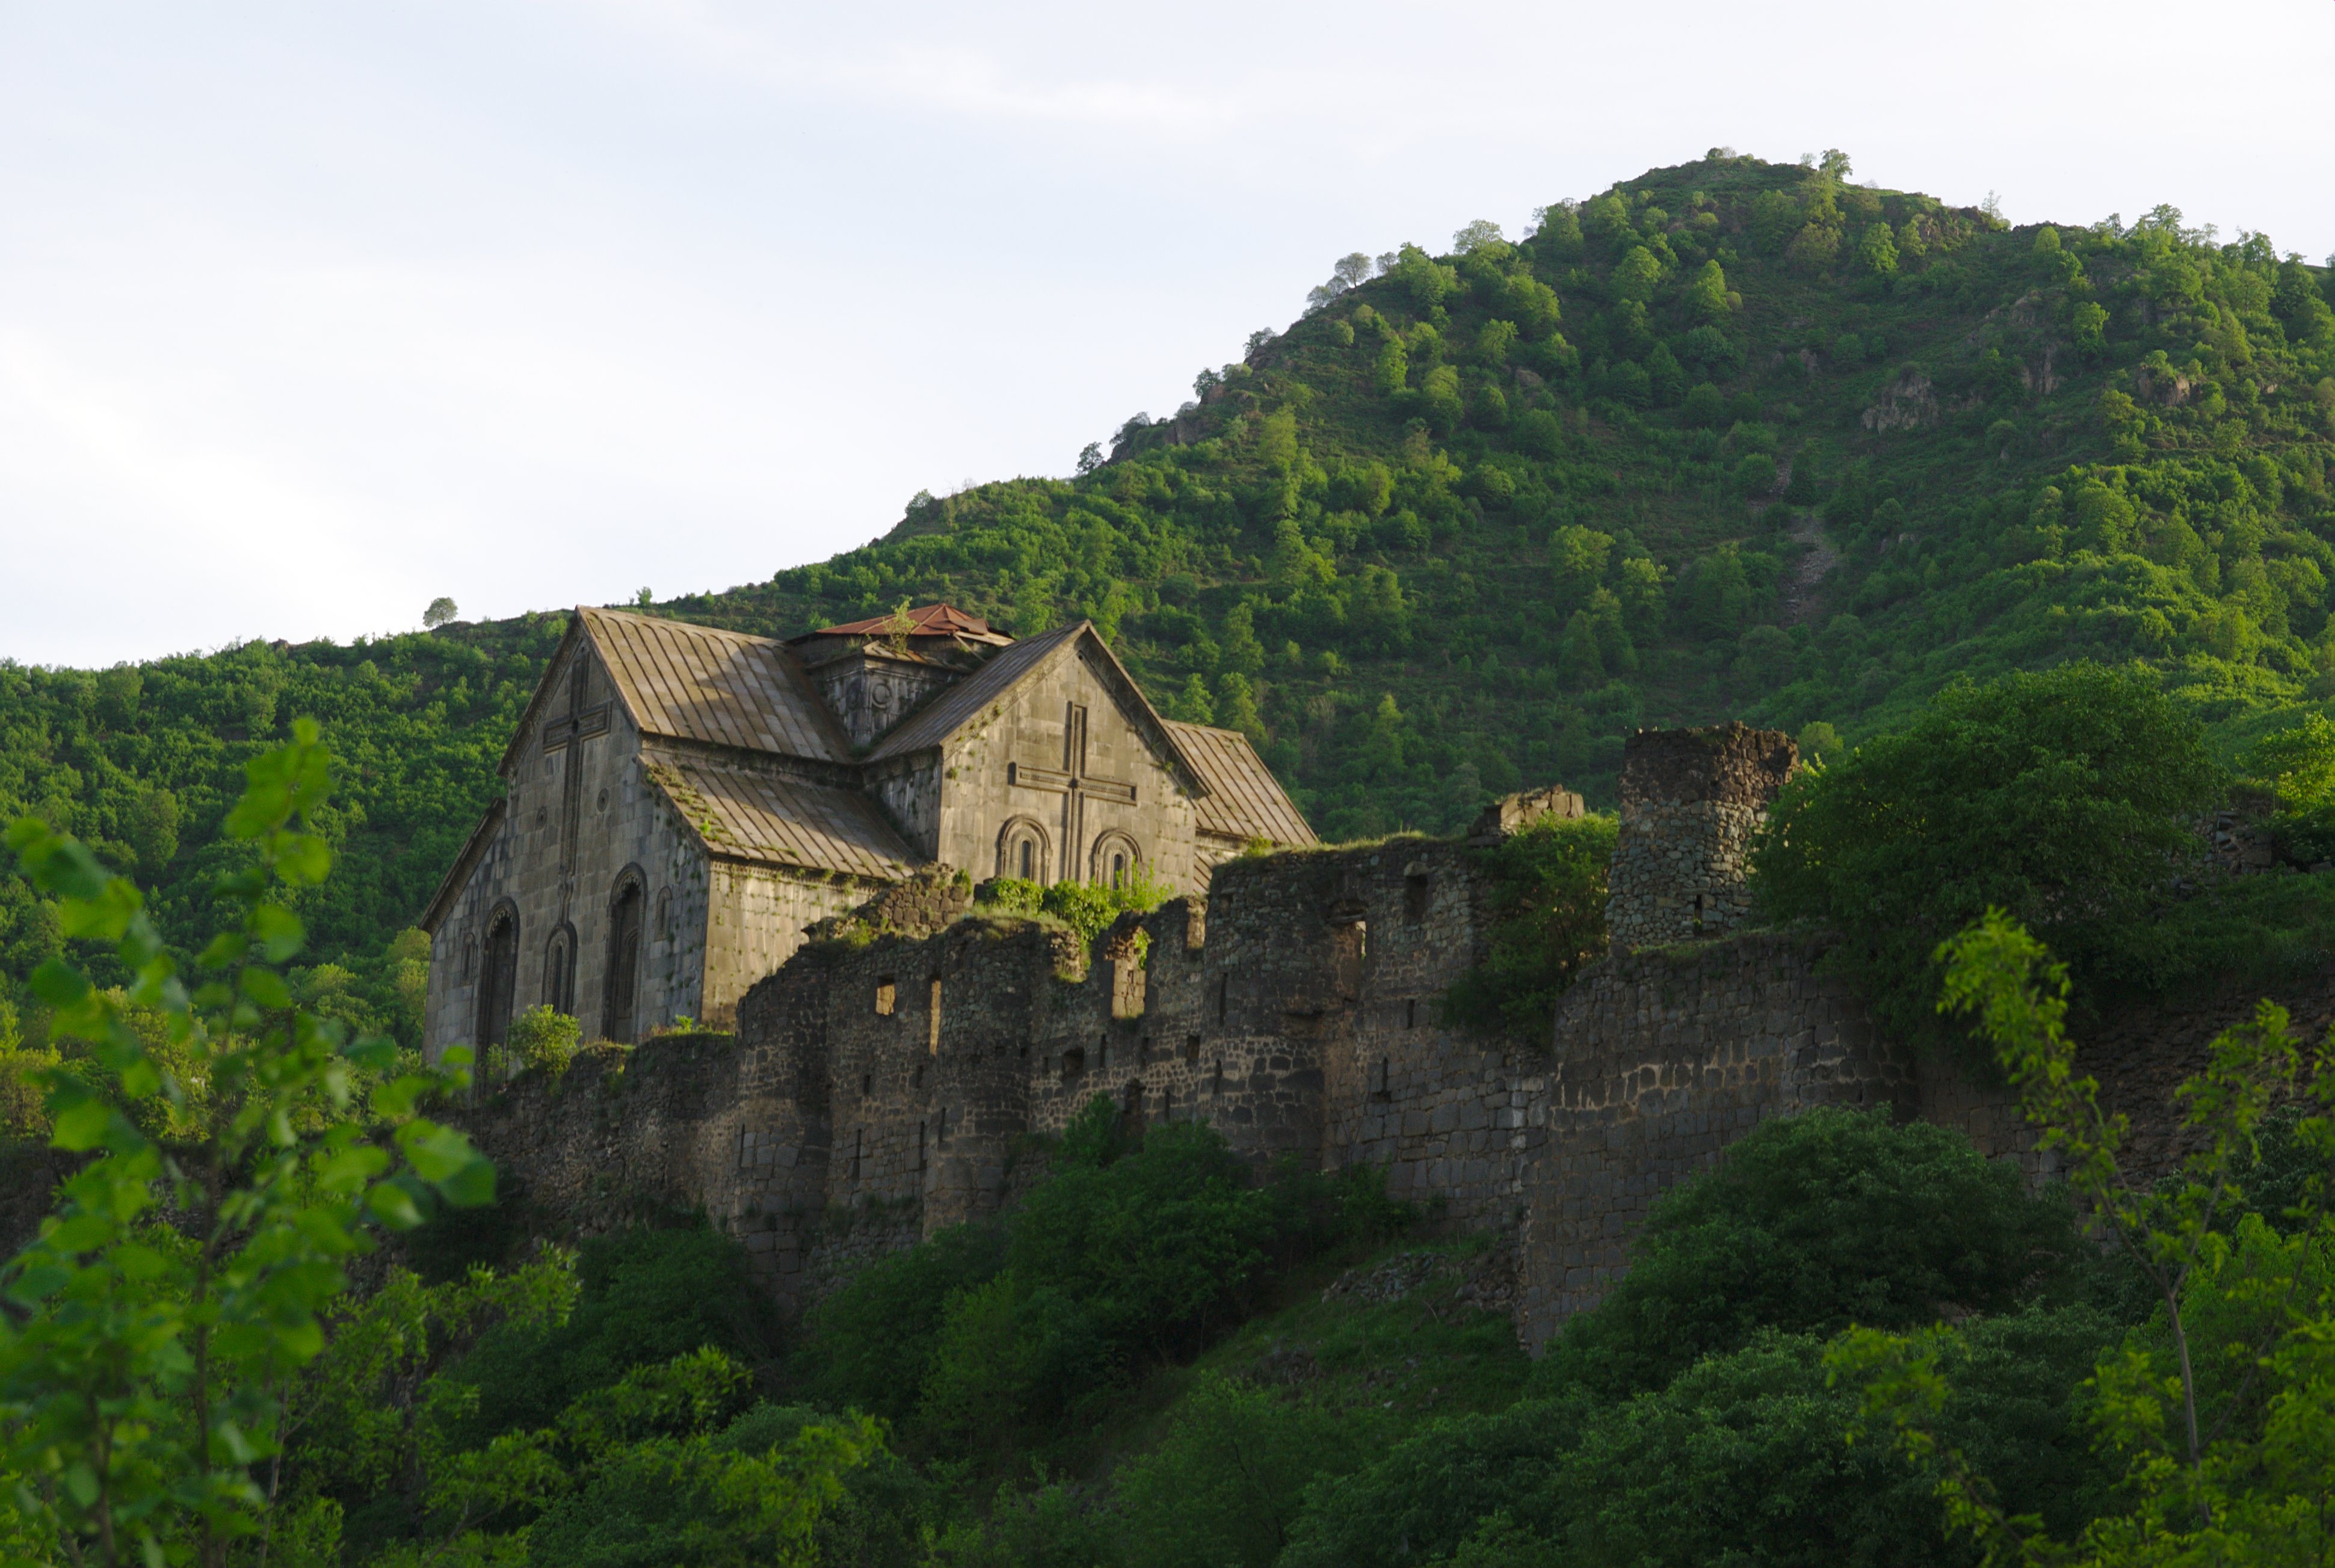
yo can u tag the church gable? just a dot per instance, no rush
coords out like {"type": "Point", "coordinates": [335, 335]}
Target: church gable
{"type": "Point", "coordinates": [1067, 774]}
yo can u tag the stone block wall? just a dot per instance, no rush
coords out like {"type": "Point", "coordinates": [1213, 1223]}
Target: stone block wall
{"type": "Point", "coordinates": [1691, 801]}
{"type": "Point", "coordinates": [883, 1084]}
{"type": "Point", "coordinates": [1662, 1059]}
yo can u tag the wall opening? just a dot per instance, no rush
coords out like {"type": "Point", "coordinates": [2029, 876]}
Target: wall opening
{"type": "Point", "coordinates": [1217, 1084]}
{"type": "Point", "coordinates": [622, 988]}
{"type": "Point", "coordinates": [559, 972]}
{"type": "Point", "coordinates": [866, 1084]}
{"type": "Point", "coordinates": [498, 977]}
{"type": "Point", "coordinates": [1381, 1080]}
{"type": "Point", "coordinates": [920, 1146]}
{"type": "Point", "coordinates": [1191, 1048]}
{"type": "Point", "coordinates": [887, 995]}
{"type": "Point", "coordinates": [1350, 949]}
{"type": "Point", "coordinates": [1074, 1064]}
{"type": "Point", "coordinates": [858, 1148]}
{"type": "Point", "coordinates": [1411, 1013]}
{"type": "Point", "coordinates": [1418, 892]}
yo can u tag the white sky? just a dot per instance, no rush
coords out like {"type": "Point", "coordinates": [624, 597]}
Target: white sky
{"type": "Point", "coordinates": [311, 313]}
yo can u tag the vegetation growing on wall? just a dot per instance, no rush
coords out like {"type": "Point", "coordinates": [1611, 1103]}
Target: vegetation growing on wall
{"type": "Point", "coordinates": [1548, 921]}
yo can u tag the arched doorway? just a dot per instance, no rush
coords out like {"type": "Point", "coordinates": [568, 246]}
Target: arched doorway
{"type": "Point", "coordinates": [620, 991]}
{"type": "Point", "coordinates": [560, 971]}
{"type": "Point", "coordinates": [498, 976]}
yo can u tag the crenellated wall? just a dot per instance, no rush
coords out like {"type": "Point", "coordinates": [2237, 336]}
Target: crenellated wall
{"type": "Point", "coordinates": [896, 1075]}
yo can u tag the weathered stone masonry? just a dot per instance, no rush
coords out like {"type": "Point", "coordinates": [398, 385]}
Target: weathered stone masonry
{"type": "Point", "coordinates": [879, 1090]}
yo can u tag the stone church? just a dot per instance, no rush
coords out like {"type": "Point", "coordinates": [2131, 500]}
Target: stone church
{"type": "Point", "coordinates": [680, 802]}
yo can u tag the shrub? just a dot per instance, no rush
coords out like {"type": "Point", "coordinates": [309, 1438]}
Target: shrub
{"type": "Point", "coordinates": [870, 1344]}
{"type": "Point", "coordinates": [541, 1038]}
{"type": "Point", "coordinates": [1812, 1222]}
{"type": "Point", "coordinates": [1225, 1484]}
{"type": "Point", "coordinates": [1086, 907]}
{"type": "Point", "coordinates": [647, 1296]}
{"type": "Point", "coordinates": [1548, 921]}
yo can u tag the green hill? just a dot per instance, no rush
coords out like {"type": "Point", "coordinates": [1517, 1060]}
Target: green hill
{"type": "Point", "coordinates": [1730, 439]}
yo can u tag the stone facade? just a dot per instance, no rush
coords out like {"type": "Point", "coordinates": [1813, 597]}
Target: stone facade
{"type": "Point", "coordinates": [1691, 801]}
{"type": "Point", "coordinates": [887, 1079]}
{"type": "Point", "coordinates": [1662, 1059]}
{"type": "Point", "coordinates": [684, 803]}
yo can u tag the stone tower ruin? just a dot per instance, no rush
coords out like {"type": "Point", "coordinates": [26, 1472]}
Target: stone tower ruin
{"type": "Point", "coordinates": [1691, 800]}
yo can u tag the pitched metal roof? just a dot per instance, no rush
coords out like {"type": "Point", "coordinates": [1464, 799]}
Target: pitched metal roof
{"type": "Point", "coordinates": [962, 702]}
{"type": "Point", "coordinates": [1243, 799]}
{"type": "Point", "coordinates": [701, 683]}
{"type": "Point", "coordinates": [779, 821]}
{"type": "Point", "coordinates": [923, 621]}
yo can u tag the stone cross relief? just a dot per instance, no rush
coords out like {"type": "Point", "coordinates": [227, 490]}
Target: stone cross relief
{"type": "Point", "coordinates": [1074, 784]}
{"type": "Point", "coordinates": [568, 734]}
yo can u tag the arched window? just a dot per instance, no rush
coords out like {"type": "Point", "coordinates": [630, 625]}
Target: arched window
{"type": "Point", "coordinates": [498, 976]}
{"type": "Point", "coordinates": [620, 991]}
{"type": "Point", "coordinates": [1022, 850]}
{"type": "Point", "coordinates": [560, 971]}
{"type": "Point", "coordinates": [1116, 860]}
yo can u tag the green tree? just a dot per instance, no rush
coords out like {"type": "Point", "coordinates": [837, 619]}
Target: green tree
{"type": "Point", "coordinates": [441, 611]}
{"type": "Point", "coordinates": [2063, 796]}
{"type": "Point", "coordinates": [144, 1371]}
{"type": "Point", "coordinates": [1706, 297]}
{"type": "Point", "coordinates": [1237, 705]}
{"type": "Point", "coordinates": [1876, 251]}
{"type": "Point", "coordinates": [1636, 275]}
{"type": "Point", "coordinates": [1229, 1478]}
{"type": "Point", "coordinates": [1578, 555]}
{"type": "Point", "coordinates": [1242, 653]}
{"type": "Point", "coordinates": [1819, 743]}
{"type": "Point", "coordinates": [1423, 278]}
{"type": "Point", "coordinates": [1195, 706]}
{"type": "Point", "coordinates": [2219, 1414]}
{"type": "Point", "coordinates": [1811, 1224]}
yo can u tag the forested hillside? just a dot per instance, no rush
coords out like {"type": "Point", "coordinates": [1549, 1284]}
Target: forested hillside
{"type": "Point", "coordinates": [1730, 439]}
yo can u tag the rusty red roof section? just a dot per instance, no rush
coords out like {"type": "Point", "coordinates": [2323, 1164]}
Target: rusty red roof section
{"type": "Point", "coordinates": [923, 621]}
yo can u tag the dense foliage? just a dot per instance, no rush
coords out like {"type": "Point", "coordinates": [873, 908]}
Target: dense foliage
{"type": "Point", "coordinates": [2067, 797]}
{"type": "Point", "coordinates": [1815, 1223]}
{"type": "Point", "coordinates": [1134, 1252]}
{"type": "Point", "coordinates": [1733, 437]}
{"type": "Point", "coordinates": [143, 763]}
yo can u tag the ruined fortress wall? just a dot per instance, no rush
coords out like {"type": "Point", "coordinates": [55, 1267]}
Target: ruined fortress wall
{"type": "Point", "coordinates": [1691, 801]}
{"type": "Point", "coordinates": [896, 1075]}
{"type": "Point", "coordinates": [1662, 1059]}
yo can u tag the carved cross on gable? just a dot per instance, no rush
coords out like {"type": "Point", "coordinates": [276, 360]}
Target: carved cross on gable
{"type": "Point", "coordinates": [580, 724]}
{"type": "Point", "coordinates": [1074, 784]}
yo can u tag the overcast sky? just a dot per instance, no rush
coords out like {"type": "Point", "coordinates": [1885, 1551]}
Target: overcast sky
{"type": "Point", "coordinates": [309, 314]}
